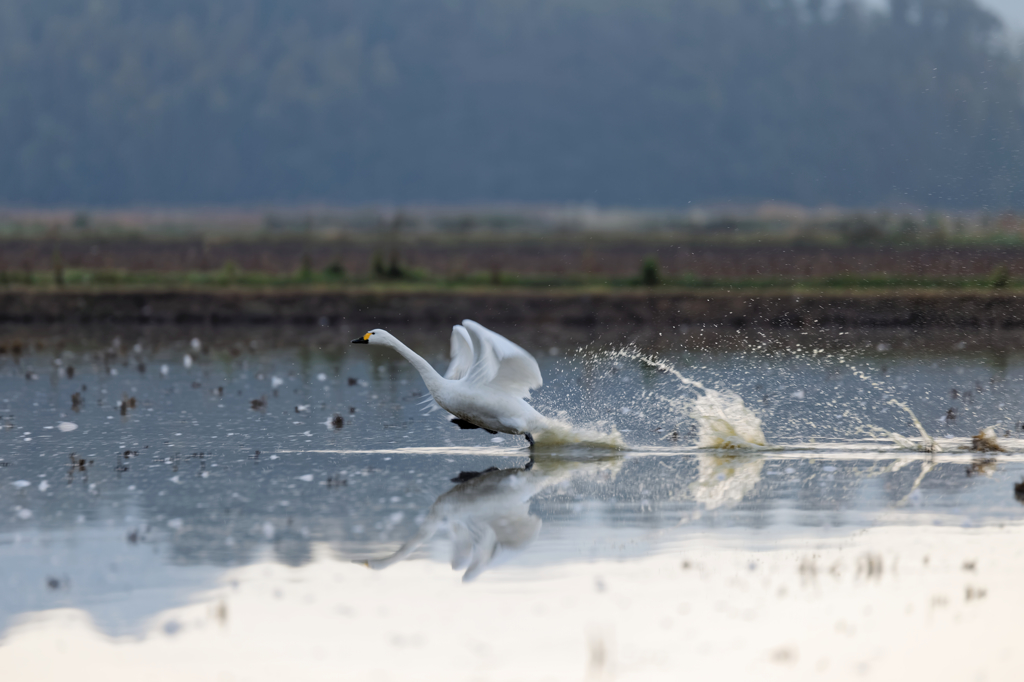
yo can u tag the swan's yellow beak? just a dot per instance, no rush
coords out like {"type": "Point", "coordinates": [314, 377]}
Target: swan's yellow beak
{"type": "Point", "coordinates": [365, 338]}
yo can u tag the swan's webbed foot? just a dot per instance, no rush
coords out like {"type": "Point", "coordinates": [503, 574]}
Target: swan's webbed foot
{"type": "Point", "coordinates": [529, 439]}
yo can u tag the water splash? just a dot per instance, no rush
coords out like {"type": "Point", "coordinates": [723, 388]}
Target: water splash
{"type": "Point", "coordinates": [724, 480]}
{"type": "Point", "coordinates": [601, 434]}
{"type": "Point", "coordinates": [725, 422]}
{"type": "Point", "coordinates": [927, 443]}
{"type": "Point", "coordinates": [913, 493]}
{"type": "Point", "coordinates": [723, 419]}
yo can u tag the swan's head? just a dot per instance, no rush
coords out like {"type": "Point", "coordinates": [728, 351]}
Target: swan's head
{"type": "Point", "coordinates": [375, 336]}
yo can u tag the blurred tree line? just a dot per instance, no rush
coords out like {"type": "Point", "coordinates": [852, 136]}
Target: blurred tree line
{"type": "Point", "coordinates": [628, 102]}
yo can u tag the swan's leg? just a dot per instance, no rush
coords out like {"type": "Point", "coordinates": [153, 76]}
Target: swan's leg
{"type": "Point", "coordinates": [529, 439]}
{"type": "Point", "coordinates": [463, 424]}
{"type": "Point", "coordinates": [470, 475]}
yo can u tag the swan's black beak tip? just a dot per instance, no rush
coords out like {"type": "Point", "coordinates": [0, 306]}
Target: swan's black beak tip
{"type": "Point", "coordinates": [361, 339]}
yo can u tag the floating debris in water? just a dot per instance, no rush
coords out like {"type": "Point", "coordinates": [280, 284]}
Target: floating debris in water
{"type": "Point", "coordinates": [986, 441]}
{"type": "Point", "coordinates": [985, 466]}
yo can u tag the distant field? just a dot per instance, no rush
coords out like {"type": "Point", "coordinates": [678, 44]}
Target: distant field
{"type": "Point", "coordinates": [766, 249]}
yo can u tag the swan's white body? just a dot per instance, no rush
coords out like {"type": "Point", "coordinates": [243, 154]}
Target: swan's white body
{"type": "Point", "coordinates": [487, 382]}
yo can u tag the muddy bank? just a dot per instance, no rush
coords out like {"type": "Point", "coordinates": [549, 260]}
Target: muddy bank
{"type": "Point", "coordinates": [632, 307]}
{"type": "Point", "coordinates": [611, 256]}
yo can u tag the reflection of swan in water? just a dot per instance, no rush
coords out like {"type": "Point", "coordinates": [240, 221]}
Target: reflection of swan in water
{"type": "Point", "coordinates": [488, 514]}
{"type": "Point", "coordinates": [725, 479]}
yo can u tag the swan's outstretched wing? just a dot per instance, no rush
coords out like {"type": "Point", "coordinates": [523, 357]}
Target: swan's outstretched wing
{"type": "Point", "coordinates": [500, 363]}
{"type": "Point", "coordinates": [462, 353]}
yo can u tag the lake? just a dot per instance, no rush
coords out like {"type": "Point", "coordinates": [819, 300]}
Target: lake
{"type": "Point", "coordinates": [202, 503]}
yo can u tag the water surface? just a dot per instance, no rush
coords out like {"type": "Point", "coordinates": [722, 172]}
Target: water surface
{"type": "Point", "coordinates": [203, 502]}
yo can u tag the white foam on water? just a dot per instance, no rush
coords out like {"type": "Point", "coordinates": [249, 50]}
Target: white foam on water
{"type": "Point", "coordinates": [601, 434]}
{"type": "Point", "coordinates": [725, 422]}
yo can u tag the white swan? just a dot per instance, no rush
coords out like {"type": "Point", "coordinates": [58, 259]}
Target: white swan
{"type": "Point", "coordinates": [486, 384]}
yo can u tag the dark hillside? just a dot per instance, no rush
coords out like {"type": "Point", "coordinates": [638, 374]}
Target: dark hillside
{"type": "Point", "coordinates": [617, 102]}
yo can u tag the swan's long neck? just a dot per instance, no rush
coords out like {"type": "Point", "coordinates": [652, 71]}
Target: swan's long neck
{"type": "Point", "coordinates": [431, 378]}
